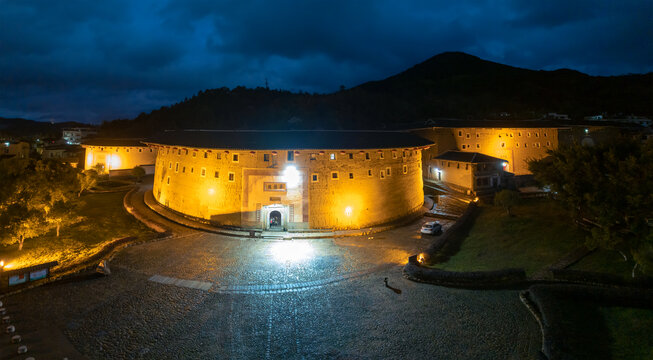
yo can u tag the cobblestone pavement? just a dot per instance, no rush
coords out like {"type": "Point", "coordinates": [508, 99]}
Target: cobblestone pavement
{"type": "Point", "coordinates": [337, 306]}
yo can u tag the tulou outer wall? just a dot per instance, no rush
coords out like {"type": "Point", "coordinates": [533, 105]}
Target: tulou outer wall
{"type": "Point", "coordinates": [335, 189]}
{"type": "Point", "coordinates": [118, 157]}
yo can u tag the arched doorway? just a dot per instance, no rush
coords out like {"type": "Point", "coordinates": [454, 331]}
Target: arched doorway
{"type": "Point", "coordinates": [275, 220]}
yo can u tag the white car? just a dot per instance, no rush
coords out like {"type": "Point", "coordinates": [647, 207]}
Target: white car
{"type": "Point", "coordinates": [431, 228]}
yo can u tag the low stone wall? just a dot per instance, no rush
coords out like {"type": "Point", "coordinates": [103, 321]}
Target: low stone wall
{"type": "Point", "coordinates": [593, 278]}
{"type": "Point", "coordinates": [505, 278]}
{"type": "Point", "coordinates": [456, 232]}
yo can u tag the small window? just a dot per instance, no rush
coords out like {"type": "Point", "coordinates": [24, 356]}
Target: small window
{"type": "Point", "coordinates": [516, 144]}
{"type": "Point", "coordinates": [218, 156]}
{"type": "Point", "coordinates": [460, 133]}
{"type": "Point", "coordinates": [503, 144]}
{"type": "Point", "coordinates": [394, 154]}
{"type": "Point", "coordinates": [232, 176]}
{"type": "Point", "coordinates": [545, 134]}
{"type": "Point", "coordinates": [463, 146]}
{"type": "Point", "coordinates": [351, 175]}
{"type": "Point", "coordinates": [528, 134]}
{"type": "Point", "coordinates": [203, 172]}
{"type": "Point", "coordinates": [548, 143]}
{"type": "Point", "coordinates": [466, 166]}
{"type": "Point", "coordinates": [291, 155]}
{"type": "Point", "coordinates": [194, 153]}
{"type": "Point", "coordinates": [116, 149]}
{"type": "Point", "coordinates": [150, 150]}
{"type": "Point", "coordinates": [234, 158]}
{"type": "Point", "coordinates": [183, 169]}
{"type": "Point", "coordinates": [179, 152]}
{"type": "Point", "coordinates": [381, 155]}
{"type": "Point", "coordinates": [525, 145]}
{"type": "Point", "coordinates": [367, 156]}
{"type": "Point", "coordinates": [266, 157]}
{"type": "Point", "coordinates": [467, 135]}
{"type": "Point", "coordinates": [206, 155]}
{"type": "Point", "coordinates": [313, 156]}
{"type": "Point", "coordinates": [186, 151]}
{"type": "Point", "coordinates": [369, 172]}
{"type": "Point", "coordinates": [334, 175]}
{"type": "Point", "coordinates": [216, 174]}
{"type": "Point", "coordinates": [457, 165]}
{"type": "Point", "coordinates": [537, 134]}
{"type": "Point", "coordinates": [351, 156]}
{"type": "Point", "coordinates": [382, 174]}
{"type": "Point", "coordinates": [405, 169]}
{"type": "Point", "coordinates": [332, 156]}
{"type": "Point", "coordinates": [168, 180]}
{"type": "Point", "coordinates": [519, 133]}
{"type": "Point", "coordinates": [170, 165]}
{"type": "Point", "coordinates": [478, 146]}
{"type": "Point", "coordinates": [314, 178]}
{"type": "Point", "coordinates": [176, 167]}
{"type": "Point", "coordinates": [388, 171]}
{"type": "Point", "coordinates": [192, 170]}
{"type": "Point", "coordinates": [448, 163]}
{"type": "Point", "coordinates": [478, 135]}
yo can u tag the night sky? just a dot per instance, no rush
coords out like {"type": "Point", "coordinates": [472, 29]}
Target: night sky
{"type": "Point", "coordinates": [98, 60]}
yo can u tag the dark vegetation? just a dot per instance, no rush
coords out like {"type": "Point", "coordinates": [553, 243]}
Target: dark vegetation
{"type": "Point", "coordinates": [453, 85]}
{"type": "Point", "coordinates": [30, 129]}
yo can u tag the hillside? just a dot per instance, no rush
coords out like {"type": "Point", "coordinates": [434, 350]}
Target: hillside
{"type": "Point", "coordinates": [16, 128]}
{"type": "Point", "coordinates": [454, 85]}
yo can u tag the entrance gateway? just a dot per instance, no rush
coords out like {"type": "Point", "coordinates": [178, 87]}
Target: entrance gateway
{"type": "Point", "coordinates": [275, 217]}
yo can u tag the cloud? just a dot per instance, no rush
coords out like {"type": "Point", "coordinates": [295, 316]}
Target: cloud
{"type": "Point", "coordinates": [92, 61]}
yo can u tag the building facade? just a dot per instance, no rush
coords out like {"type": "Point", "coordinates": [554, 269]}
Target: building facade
{"type": "Point", "coordinates": [290, 180]}
{"type": "Point", "coordinates": [118, 156]}
{"type": "Point", "coordinates": [470, 172]}
{"type": "Point", "coordinates": [74, 136]}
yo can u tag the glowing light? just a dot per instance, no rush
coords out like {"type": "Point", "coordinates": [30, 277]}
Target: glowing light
{"type": "Point", "coordinates": [211, 191]}
{"type": "Point", "coordinates": [291, 177]}
{"type": "Point", "coordinates": [421, 258]}
{"type": "Point", "coordinates": [587, 131]}
{"type": "Point", "coordinates": [291, 251]}
{"type": "Point", "coordinates": [2, 263]}
{"type": "Point", "coordinates": [476, 199]}
{"type": "Point", "coordinates": [8, 266]}
{"type": "Point", "coordinates": [7, 144]}
{"type": "Point", "coordinates": [115, 161]}
{"type": "Point", "coordinates": [348, 211]}
{"type": "Point", "coordinates": [89, 159]}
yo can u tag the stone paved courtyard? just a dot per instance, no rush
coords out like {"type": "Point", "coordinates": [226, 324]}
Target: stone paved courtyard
{"type": "Point", "coordinates": [329, 301]}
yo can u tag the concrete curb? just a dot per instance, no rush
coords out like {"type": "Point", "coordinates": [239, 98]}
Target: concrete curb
{"type": "Point", "coordinates": [126, 203]}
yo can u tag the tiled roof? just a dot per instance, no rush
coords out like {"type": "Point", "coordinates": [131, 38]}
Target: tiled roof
{"type": "Point", "coordinates": [112, 142]}
{"type": "Point", "coordinates": [287, 140]}
{"type": "Point", "coordinates": [468, 157]}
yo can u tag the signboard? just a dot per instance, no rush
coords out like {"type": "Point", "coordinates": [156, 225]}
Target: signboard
{"type": "Point", "coordinates": [38, 274]}
{"type": "Point", "coordinates": [17, 279]}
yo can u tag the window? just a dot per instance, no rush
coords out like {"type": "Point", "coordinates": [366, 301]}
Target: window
{"type": "Point", "coordinates": [183, 169]}
{"type": "Point", "coordinates": [194, 153]}
{"type": "Point", "coordinates": [478, 135]}
{"type": "Point", "coordinates": [314, 178]}
{"type": "Point", "coordinates": [545, 134]}
{"type": "Point", "coordinates": [548, 143]}
{"type": "Point", "coordinates": [203, 172]}
{"type": "Point", "coordinates": [216, 174]}
{"type": "Point", "coordinates": [218, 156]}
{"type": "Point", "coordinates": [313, 156]}
{"type": "Point", "coordinates": [234, 158]}
{"type": "Point", "coordinates": [519, 133]}
{"type": "Point", "coordinates": [332, 156]}
{"type": "Point", "coordinates": [186, 150]}
{"type": "Point", "coordinates": [448, 164]}
{"type": "Point", "coordinates": [179, 152]}
{"type": "Point", "coordinates": [537, 134]}
{"type": "Point", "coordinates": [351, 175]}
{"type": "Point", "coordinates": [525, 145]}
{"type": "Point", "coordinates": [206, 155]}
{"type": "Point", "coordinates": [274, 186]}
{"type": "Point", "coordinates": [528, 134]}
{"type": "Point", "coordinates": [367, 156]}
{"type": "Point", "coordinates": [291, 155]}
{"type": "Point", "coordinates": [466, 166]}
{"type": "Point", "coordinates": [457, 165]}
{"type": "Point", "coordinates": [381, 155]}
{"type": "Point", "coordinates": [394, 154]}
{"type": "Point", "coordinates": [116, 149]}
{"type": "Point", "coordinates": [478, 146]}
{"type": "Point", "coordinates": [516, 144]}
{"type": "Point", "coordinates": [463, 146]}
{"type": "Point", "coordinates": [191, 170]}
{"type": "Point", "coordinates": [266, 157]}
{"type": "Point", "coordinates": [177, 167]}
{"type": "Point", "coordinates": [388, 171]}
{"type": "Point", "coordinates": [467, 135]}
{"type": "Point", "coordinates": [405, 169]}
{"type": "Point", "coordinates": [232, 176]}
{"type": "Point", "coordinates": [382, 174]}
{"type": "Point", "coordinates": [334, 175]}
{"type": "Point", "coordinates": [460, 133]}
{"type": "Point", "coordinates": [503, 144]}
{"type": "Point", "coordinates": [150, 150]}
{"type": "Point", "coordinates": [168, 180]}
{"type": "Point", "coordinates": [369, 172]}
{"type": "Point", "coordinates": [140, 150]}
{"type": "Point", "coordinates": [351, 156]}
{"type": "Point", "coordinates": [170, 165]}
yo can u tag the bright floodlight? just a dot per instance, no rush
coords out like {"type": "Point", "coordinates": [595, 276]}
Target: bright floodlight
{"type": "Point", "coordinates": [348, 211]}
{"type": "Point", "coordinates": [211, 191]}
{"type": "Point", "coordinates": [115, 161]}
{"type": "Point", "coordinates": [504, 164]}
{"type": "Point", "coordinates": [291, 251]}
{"type": "Point", "coordinates": [291, 177]}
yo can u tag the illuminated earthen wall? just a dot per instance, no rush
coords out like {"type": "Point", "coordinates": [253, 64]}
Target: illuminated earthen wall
{"type": "Point", "coordinates": [118, 157]}
{"type": "Point", "coordinates": [330, 189]}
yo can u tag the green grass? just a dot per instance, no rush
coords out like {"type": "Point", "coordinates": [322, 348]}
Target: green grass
{"type": "Point", "coordinates": [606, 261]}
{"type": "Point", "coordinates": [629, 331]}
{"type": "Point", "coordinates": [539, 233]}
{"type": "Point", "coordinates": [105, 220]}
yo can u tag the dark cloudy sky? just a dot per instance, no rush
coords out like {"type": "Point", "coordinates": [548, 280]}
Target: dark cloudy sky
{"type": "Point", "coordinates": [92, 60]}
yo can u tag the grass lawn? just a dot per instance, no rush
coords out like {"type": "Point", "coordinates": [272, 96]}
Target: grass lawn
{"type": "Point", "coordinates": [105, 220]}
{"type": "Point", "coordinates": [630, 332]}
{"type": "Point", "coordinates": [607, 261]}
{"type": "Point", "coordinates": [539, 233]}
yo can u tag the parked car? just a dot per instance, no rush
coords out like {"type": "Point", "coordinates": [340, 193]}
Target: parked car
{"type": "Point", "coordinates": [431, 228]}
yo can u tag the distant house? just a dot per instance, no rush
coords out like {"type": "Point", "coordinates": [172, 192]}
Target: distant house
{"type": "Point", "coordinates": [74, 136]}
{"type": "Point", "coordinates": [469, 172]}
{"type": "Point", "coordinates": [118, 156]}
{"type": "Point", "coordinates": [18, 149]}
{"type": "Point", "coordinates": [65, 153]}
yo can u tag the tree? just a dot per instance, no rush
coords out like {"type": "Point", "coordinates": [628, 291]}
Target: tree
{"type": "Point", "coordinates": [138, 172]}
{"type": "Point", "coordinates": [609, 185]}
{"type": "Point", "coordinates": [99, 168]}
{"type": "Point", "coordinates": [86, 180]}
{"type": "Point", "coordinates": [21, 224]}
{"type": "Point", "coordinates": [506, 199]}
{"type": "Point", "coordinates": [63, 214]}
